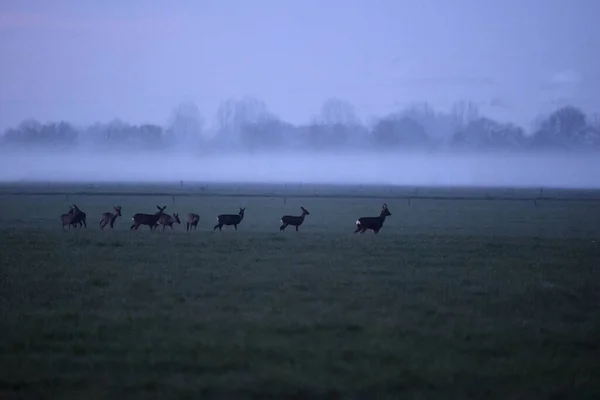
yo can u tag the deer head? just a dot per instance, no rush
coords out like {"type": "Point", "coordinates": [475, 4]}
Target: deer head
{"type": "Point", "coordinates": [384, 210]}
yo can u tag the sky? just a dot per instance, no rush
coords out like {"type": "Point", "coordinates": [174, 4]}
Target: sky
{"type": "Point", "coordinates": [88, 61]}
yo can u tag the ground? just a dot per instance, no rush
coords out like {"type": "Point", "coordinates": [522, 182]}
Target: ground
{"type": "Point", "coordinates": [455, 298]}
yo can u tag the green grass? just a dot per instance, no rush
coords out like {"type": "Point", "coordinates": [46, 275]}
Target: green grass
{"type": "Point", "coordinates": [453, 299]}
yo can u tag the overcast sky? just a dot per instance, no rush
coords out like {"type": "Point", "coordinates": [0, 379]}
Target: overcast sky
{"type": "Point", "coordinates": [87, 61]}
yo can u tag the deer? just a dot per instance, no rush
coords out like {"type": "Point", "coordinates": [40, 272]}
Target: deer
{"type": "Point", "coordinates": [294, 220]}
{"type": "Point", "coordinates": [168, 220]}
{"type": "Point", "coordinates": [67, 219]}
{"type": "Point", "coordinates": [192, 221]}
{"type": "Point", "coordinates": [79, 217]}
{"type": "Point", "coordinates": [110, 218]}
{"type": "Point", "coordinates": [230, 219]}
{"type": "Point", "coordinates": [147, 219]}
{"type": "Point", "coordinates": [373, 223]}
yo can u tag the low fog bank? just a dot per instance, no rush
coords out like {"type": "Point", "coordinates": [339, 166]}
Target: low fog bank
{"type": "Point", "coordinates": [507, 170]}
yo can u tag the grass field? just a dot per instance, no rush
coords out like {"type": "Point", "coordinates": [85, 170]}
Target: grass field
{"type": "Point", "coordinates": [480, 298]}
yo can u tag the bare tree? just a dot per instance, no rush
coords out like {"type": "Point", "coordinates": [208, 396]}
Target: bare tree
{"type": "Point", "coordinates": [186, 125]}
{"type": "Point", "coordinates": [465, 112]}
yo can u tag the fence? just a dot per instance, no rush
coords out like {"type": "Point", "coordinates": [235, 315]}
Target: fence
{"type": "Point", "coordinates": [284, 196]}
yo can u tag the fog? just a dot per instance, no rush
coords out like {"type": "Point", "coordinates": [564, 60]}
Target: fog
{"type": "Point", "coordinates": [559, 170]}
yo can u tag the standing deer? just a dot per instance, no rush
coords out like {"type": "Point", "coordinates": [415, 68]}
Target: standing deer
{"type": "Point", "coordinates": [192, 221]}
{"type": "Point", "coordinates": [230, 219]}
{"type": "Point", "coordinates": [373, 223]}
{"type": "Point", "coordinates": [168, 220]}
{"type": "Point", "coordinates": [79, 217]}
{"type": "Point", "coordinates": [147, 219]}
{"type": "Point", "coordinates": [67, 219]}
{"type": "Point", "coordinates": [110, 218]}
{"type": "Point", "coordinates": [293, 220]}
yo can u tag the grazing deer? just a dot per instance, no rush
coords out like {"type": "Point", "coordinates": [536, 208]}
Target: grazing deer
{"type": "Point", "coordinates": [230, 219]}
{"type": "Point", "coordinates": [110, 218]}
{"type": "Point", "coordinates": [147, 219]}
{"type": "Point", "coordinates": [192, 221]}
{"type": "Point", "coordinates": [79, 217]}
{"type": "Point", "coordinates": [293, 220]}
{"type": "Point", "coordinates": [67, 219]}
{"type": "Point", "coordinates": [373, 223]}
{"type": "Point", "coordinates": [168, 220]}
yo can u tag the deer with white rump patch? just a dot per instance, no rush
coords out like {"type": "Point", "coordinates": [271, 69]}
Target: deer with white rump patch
{"type": "Point", "coordinates": [147, 219]}
{"type": "Point", "coordinates": [230, 219]}
{"type": "Point", "coordinates": [293, 220]}
{"type": "Point", "coordinates": [372, 223]}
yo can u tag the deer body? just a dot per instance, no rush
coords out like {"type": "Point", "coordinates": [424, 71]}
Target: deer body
{"type": "Point", "coordinates": [294, 220]}
{"type": "Point", "coordinates": [230, 219]}
{"type": "Point", "coordinates": [168, 220]}
{"type": "Point", "coordinates": [67, 219]}
{"type": "Point", "coordinates": [147, 219]}
{"type": "Point", "coordinates": [372, 223]}
{"type": "Point", "coordinates": [110, 218]}
{"type": "Point", "coordinates": [79, 217]}
{"type": "Point", "coordinates": [192, 221]}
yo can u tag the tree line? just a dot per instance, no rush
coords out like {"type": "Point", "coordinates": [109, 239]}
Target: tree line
{"type": "Point", "coordinates": [248, 125]}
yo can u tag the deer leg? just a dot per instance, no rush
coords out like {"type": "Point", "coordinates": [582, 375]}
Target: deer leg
{"type": "Point", "coordinates": [216, 226]}
{"type": "Point", "coordinates": [187, 227]}
{"type": "Point", "coordinates": [282, 227]}
{"type": "Point", "coordinates": [235, 226]}
{"type": "Point", "coordinates": [296, 228]}
{"type": "Point", "coordinates": [358, 228]}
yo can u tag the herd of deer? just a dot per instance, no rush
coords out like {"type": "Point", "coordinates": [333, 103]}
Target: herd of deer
{"type": "Point", "coordinates": [75, 217]}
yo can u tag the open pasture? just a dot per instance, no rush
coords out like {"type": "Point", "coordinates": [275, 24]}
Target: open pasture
{"type": "Point", "coordinates": [459, 298]}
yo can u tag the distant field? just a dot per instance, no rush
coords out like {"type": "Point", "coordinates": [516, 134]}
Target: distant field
{"type": "Point", "coordinates": [477, 298]}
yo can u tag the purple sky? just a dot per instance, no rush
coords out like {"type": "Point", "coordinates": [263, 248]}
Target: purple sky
{"type": "Point", "coordinates": [87, 61]}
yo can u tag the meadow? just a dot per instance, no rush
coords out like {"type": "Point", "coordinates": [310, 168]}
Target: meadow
{"type": "Point", "coordinates": [465, 293]}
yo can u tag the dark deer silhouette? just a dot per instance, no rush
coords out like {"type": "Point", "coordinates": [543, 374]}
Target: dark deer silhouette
{"type": "Point", "coordinates": [110, 218]}
{"type": "Point", "coordinates": [147, 219]}
{"type": "Point", "coordinates": [293, 220]}
{"type": "Point", "coordinates": [79, 217]}
{"type": "Point", "coordinates": [373, 223]}
{"type": "Point", "coordinates": [192, 221]}
{"type": "Point", "coordinates": [67, 219]}
{"type": "Point", "coordinates": [168, 220]}
{"type": "Point", "coordinates": [230, 219]}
